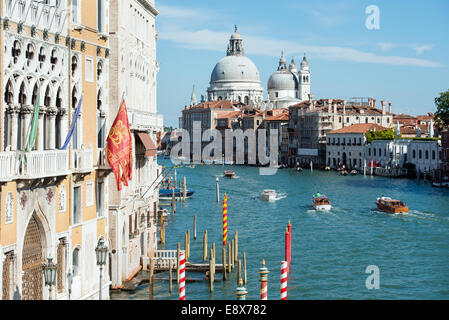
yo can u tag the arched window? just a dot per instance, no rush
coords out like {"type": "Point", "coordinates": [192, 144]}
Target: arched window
{"type": "Point", "coordinates": [427, 154]}
{"type": "Point", "coordinates": [75, 262]}
{"type": "Point", "coordinates": [53, 59]}
{"type": "Point", "coordinates": [99, 69]}
{"type": "Point", "coordinates": [42, 56]}
{"type": "Point", "coordinates": [29, 54]}
{"type": "Point", "coordinates": [74, 65]}
{"type": "Point", "coordinates": [16, 50]}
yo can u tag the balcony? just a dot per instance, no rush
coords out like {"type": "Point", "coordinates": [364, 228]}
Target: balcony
{"type": "Point", "coordinates": [7, 165]}
{"type": "Point", "coordinates": [40, 164]}
{"type": "Point", "coordinates": [83, 160]}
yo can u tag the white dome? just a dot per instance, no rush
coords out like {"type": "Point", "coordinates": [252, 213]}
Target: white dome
{"type": "Point", "coordinates": [282, 80]}
{"type": "Point", "coordinates": [235, 68]}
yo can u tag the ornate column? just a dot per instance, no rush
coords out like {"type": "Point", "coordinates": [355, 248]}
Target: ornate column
{"type": "Point", "coordinates": [13, 119]}
{"type": "Point", "coordinates": [64, 125]}
{"type": "Point", "coordinates": [40, 129]}
{"type": "Point", "coordinates": [51, 139]}
{"type": "Point", "coordinates": [25, 114]}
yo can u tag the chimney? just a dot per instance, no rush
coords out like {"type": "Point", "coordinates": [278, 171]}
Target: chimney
{"type": "Point", "coordinates": [374, 103]}
{"type": "Point", "coordinates": [310, 97]}
{"type": "Point", "coordinates": [369, 102]}
{"type": "Point", "coordinates": [383, 106]}
{"type": "Point", "coordinates": [344, 112]}
{"type": "Point", "coordinates": [335, 107]}
{"type": "Point", "coordinates": [329, 105]}
{"type": "Point", "coordinates": [389, 107]}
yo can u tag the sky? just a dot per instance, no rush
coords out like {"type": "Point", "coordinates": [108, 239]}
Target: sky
{"type": "Point", "coordinates": [403, 59]}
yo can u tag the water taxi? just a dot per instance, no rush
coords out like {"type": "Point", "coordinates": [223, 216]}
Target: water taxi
{"type": "Point", "coordinates": [354, 172]}
{"type": "Point", "coordinates": [386, 204]}
{"type": "Point", "coordinates": [299, 169]}
{"type": "Point", "coordinates": [321, 202]}
{"type": "Point", "coordinates": [269, 195]}
{"type": "Point", "coordinates": [229, 174]}
{"type": "Point", "coordinates": [327, 168]}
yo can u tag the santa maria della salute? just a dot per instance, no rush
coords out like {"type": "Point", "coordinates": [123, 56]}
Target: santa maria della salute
{"type": "Point", "coordinates": [237, 79]}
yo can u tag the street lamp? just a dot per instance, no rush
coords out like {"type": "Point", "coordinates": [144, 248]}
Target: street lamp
{"type": "Point", "coordinates": [49, 270]}
{"type": "Point", "coordinates": [101, 252]}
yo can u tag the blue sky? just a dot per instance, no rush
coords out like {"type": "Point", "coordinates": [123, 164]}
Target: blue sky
{"type": "Point", "coordinates": [406, 61]}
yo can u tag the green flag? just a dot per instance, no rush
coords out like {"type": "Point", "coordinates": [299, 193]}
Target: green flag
{"type": "Point", "coordinates": [33, 131]}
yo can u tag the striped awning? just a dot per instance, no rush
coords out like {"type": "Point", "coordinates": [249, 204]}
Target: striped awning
{"type": "Point", "coordinates": [150, 146]}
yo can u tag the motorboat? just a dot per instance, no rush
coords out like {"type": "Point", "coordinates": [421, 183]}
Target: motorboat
{"type": "Point", "coordinates": [269, 195]}
{"type": "Point", "coordinates": [327, 168]}
{"type": "Point", "coordinates": [321, 202]}
{"type": "Point", "coordinates": [354, 172]}
{"type": "Point", "coordinates": [167, 194]}
{"type": "Point", "coordinates": [388, 205]}
{"type": "Point", "coordinates": [344, 173]}
{"type": "Point", "coordinates": [299, 169]}
{"type": "Point", "coordinates": [229, 173]}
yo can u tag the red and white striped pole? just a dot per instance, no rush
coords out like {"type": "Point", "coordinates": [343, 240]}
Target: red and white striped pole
{"type": "Point", "coordinates": [263, 272]}
{"type": "Point", "coordinates": [182, 276]}
{"type": "Point", "coordinates": [289, 258]}
{"type": "Point", "coordinates": [284, 265]}
{"type": "Point", "coordinates": [287, 249]}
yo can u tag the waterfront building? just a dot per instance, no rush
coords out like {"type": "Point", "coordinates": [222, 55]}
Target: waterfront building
{"type": "Point", "coordinates": [235, 77]}
{"type": "Point", "coordinates": [346, 146]}
{"type": "Point", "coordinates": [278, 120]}
{"type": "Point", "coordinates": [53, 199]}
{"type": "Point", "coordinates": [310, 121]}
{"type": "Point", "coordinates": [423, 154]}
{"type": "Point", "coordinates": [133, 210]}
{"type": "Point", "coordinates": [445, 151]}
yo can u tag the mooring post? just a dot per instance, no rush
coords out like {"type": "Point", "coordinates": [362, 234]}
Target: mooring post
{"type": "Point", "coordinates": [188, 245]}
{"type": "Point", "coordinates": [241, 292]}
{"type": "Point", "coordinates": [213, 248]}
{"type": "Point", "coordinates": [244, 267]}
{"type": "Point", "coordinates": [223, 259]}
{"type": "Point", "coordinates": [194, 227]}
{"type": "Point", "coordinates": [175, 179]}
{"type": "Point", "coordinates": [239, 270]}
{"type": "Point", "coordinates": [287, 249]}
{"type": "Point", "coordinates": [217, 189]}
{"type": "Point", "coordinates": [289, 229]}
{"type": "Point", "coordinates": [263, 272]}
{"type": "Point", "coordinates": [236, 239]}
{"type": "Point", "coordinates": [173, 205]}
{"type": "Point", "coordinates": [232, 253]}
{"type": "Point", "coordinates": [211, 272]}
{"type": "Point", "coordinates": [185, 188]}
{"type": "Point", "coordinates": [150, 278]}
{"type": "Point", "coordinates": [178, 251]}
{"type": "Point", "coordinates": [205, 246]}
{"type": "Point", "coordinates": [229, 258]}
{"type": "Point", "coordinates": [170, 275]}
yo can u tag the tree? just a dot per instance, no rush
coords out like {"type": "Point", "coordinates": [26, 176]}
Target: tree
{"type": "Point", "coordinates": [386, 134]}
{"type": "Point", "coordinates": [442, 114]}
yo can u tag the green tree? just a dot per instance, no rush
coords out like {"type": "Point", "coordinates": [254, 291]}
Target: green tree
{"type": "Point", "coordinates": [442, 103]}
{"type": "Point", "coordinates": [386, 134]}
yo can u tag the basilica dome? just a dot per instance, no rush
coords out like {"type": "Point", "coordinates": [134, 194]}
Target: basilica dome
{"type": "Point", "coordinates": [282, 80]}
{"type": "Point", "coordinates": [235, 68]}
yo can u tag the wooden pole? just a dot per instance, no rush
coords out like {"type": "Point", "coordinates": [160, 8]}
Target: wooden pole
{"type": "Point", "coordinates": [223, 259]}
{"type": "Point", "coordinates": [213, 249]}
{"type": "Point", "coordinates": [205, 246]}
{"type": "Point", "coordinates": [170, 275]}
{"type": "Point", "coordinates": [185, 188]}
{"type": "Point", "coordinates": [150, 278]}
{"type": "Point", "coordinates": [232, 253]}
{"type": "Point", "coordinates": [194, 227]}
{"type": "Point", "coordinates": [178, 251]}
{"type": "Point", "coordinates": [239, 271]}
{"type": "Point", "coordinates": [211, 273]}
{"type": "Point", "coordinates": [173, 206]}
{"type": "Point", "coordinates": [244, 267]}
{"type": "Point", "coordinates": [163, 234]}
{"type": "Point", "coordinates": [229, 258]}
{"type": "Point", "coordinates": [188, 245]}
{"type": "Point", "coordinates": [217, 189]}
{"type": "Point", "coordinates": [175, 178]}
{"type": "Point", "coordinates": [236, 239]}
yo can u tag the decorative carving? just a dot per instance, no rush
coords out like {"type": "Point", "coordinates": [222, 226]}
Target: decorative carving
{"type": "Point", "coordinates": [72, 43]}
{"type": "Point", "coordinates": [83, 46]}
{"type": "Point", "coordinates": [62, 199]}
{"type": "Point", "coordinates": [45, 34]}
{"type": "Point", "coordinates": [33, 31]}
{"type": "Point", "coordinates": [50, 194]}
{"type": "Point", "coordinates": [23, 200]}
{"type": "Point", "coordinates": [67, 41]}
{"type": "Point", "coordinates": [6, 23]}
{"type": "Point", "coordinates": [20, 27]}
{"type": "Point", "coordinates": [106, 53]}
{"type": "Point", "coordinates": [9, 208]}
{"type": "Point", "coordinates": [57, 37]}
{"type": "Point", "coordinates": [98, 51]}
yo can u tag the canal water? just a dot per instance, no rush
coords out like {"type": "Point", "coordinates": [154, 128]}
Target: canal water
{"type": "Point", "coordinates": [330, 250]}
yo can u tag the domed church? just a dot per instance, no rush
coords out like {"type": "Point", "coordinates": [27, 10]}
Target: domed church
{"type": "Point", "coordinates": [235, 77]}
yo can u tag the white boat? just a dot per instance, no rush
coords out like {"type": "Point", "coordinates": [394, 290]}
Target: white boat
{"type": "Point", "coordinates": [321, 202]}
{"type": "Point", "coordinates": [269, 195]}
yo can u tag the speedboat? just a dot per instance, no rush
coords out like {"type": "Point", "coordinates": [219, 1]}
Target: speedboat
{"type": "Point", "coordinates": [388, 205]}
{"type": "Point", "coordinates": [229, 174]}
{"type": "Point", "coordinates": [167, 194]}
{"type": "Point", "coordinates": [354, 172]}
{"type": "Point", "coordinates": [269, 195]}
{"type": "Point", "coordinates": [321, 202]}
{"type": "Point", "coordinates": [344, 173]}
{"type": "Point", "coordinates": [299, 169]}
{"type": "Point", "coordinates": [327, 168]}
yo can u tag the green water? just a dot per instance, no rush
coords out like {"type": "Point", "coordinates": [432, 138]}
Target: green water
{"type": "Point", "coordinates": [330, 250]}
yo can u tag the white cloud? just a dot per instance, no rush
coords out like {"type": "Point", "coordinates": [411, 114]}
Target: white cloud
{"type": "Point", "coordinates": [421, 49]}
{"type": "Point", "coordinates": [206, 39]}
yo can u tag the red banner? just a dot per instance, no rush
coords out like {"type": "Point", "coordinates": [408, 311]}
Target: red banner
{"type": "Point", "coordinates": [119, 149]}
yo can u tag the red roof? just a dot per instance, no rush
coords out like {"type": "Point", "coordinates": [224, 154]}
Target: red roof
{"type": "Point", "coordinates": [359, 128]}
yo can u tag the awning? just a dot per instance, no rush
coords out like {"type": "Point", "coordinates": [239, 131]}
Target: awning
{"type": "Point", "coordinates": [150, 147]}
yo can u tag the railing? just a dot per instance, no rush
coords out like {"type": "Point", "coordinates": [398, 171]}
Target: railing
{"type": "Point", "coordinates": [7, 162]}
{"type": "Point", "coordinates": [162, 258]}
{"type": "Point", "coordinates": [83, 160]}
{"type": "Point", "coordinates": [40, 164]}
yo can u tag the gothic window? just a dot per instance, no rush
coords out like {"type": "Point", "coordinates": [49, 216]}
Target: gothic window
{"type": "Point", "coordinates": [99, 69]}
{"type": "Point", "coordinates": [9, 93]}
{"type": "Point", "coordinates": [100, 121]}
{"type": "Point", "coordinates": [433, 154]}
{"type": "Point", "coordinates": [53, 59]}
{"type": "Point", "coordinates": [420, 154]}
{"type": "Point", "coordinates": [16, 50]}
{"type": "Point", "coordinates": [427, 154]}
{"type": "Point", "coordinates": [74, 65]}
{"type": "Point", "coordinates": [75, 262]}
{"type": "Point", "coordinates": [75, 12]}
{"type": "Point", "coordinates": [41, 57]}
{"type": "Point", "coordinates": [29, 54]}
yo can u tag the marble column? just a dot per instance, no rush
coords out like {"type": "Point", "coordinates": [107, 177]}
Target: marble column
{"type": "Point", "coordinates": [64, 126]}
{"type": "Point", "coordinates": [40, 128]}
{"type": "Point", "coordinates": [13, 120]}
{"type": "Point", "coordinates": [25, 114]}
{"type": "Point", "coordinates": [51, 116]}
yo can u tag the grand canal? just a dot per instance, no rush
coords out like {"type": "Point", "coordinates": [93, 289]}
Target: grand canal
{"type": "Point", "coordinates": [330, 251]}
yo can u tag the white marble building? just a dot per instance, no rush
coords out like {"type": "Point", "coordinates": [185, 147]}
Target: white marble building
{"type": "Point", "coordinates": [235, 77]}
{"type": "Point", "coordinates": [134, 67]}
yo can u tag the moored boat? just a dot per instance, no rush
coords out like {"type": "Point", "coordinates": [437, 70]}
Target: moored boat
{"type": "Point", "coordinates": [269, 195]}
{"type": "Point", "coordinates": [354, 172]}
{"type": "Point", "coordinates": [229, 174]}
{"type": "Point", "coordinates": [167, 194]}
{"type": "Point", "coordinates": [321, 202]}
{"type": "Point", "coordinates": [299, 169]}
{"type": "Point", "coordinates": [388, 205]}
{"type": "Point", "coordinates": [327, 168]}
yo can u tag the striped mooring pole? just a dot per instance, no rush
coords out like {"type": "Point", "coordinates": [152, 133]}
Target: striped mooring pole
{"type": "Point", "coordinates": [241, 292]}
{"type": "Point", "coordinates": [263, 272]}
{"type": "Point", "coordinates": [284, 280]}
{"type": "Point", "coordinates": [225, 219]}
{"type": "Point", "coordinates": [182, 277]}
